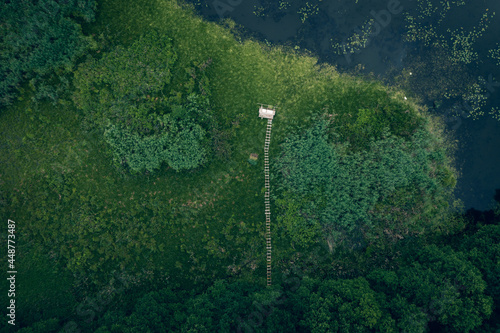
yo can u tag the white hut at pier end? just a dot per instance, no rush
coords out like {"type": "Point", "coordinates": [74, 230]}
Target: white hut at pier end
{"type": "Point", "coordinates": [267, 111]}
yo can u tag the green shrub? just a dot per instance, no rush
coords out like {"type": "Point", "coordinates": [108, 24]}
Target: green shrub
{"type": "Point", "coordinates": [127, 85]}
{"type": "Point", "coordinates": [180, 148]}
{"type": "Point", "coordinates": [342, 306]}
{"type": "Point", "coordinates": [326, 186]}
{"type": "Point", "coordinates": [151, 110]}
{"type": "Point", "coordinates": [442, 283]}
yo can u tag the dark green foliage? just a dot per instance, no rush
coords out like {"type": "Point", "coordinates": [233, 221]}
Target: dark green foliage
{"type": "Point", "coordinates": [38, 38]}
{"type": "Point", "coordinates": [373, 115]}
{"type": "Point", "coordinates": [443, 283]}
{"type": "Point", "coordinates": [132, 94]}
{"type": "Point", "coordinates": [113, 322]}
{"type": "Point", "coordinates": [270, 312]}
{"type": "Point", "coordinates": [53, 299]}
{"type": "Point", "coordinates": [326, 187]}
{"type": "Point", "coordinates": [218, 309]}
{"type": "Point", "coordinates": [158, 311]}
{"type": "Point", "coordinates": [43, 326]}
{"type": "Point", "coordinates": [126, 86]}
{"type": "Point", "coordinates": [180, 146]}
{"type": "Point", "coordinates": [342, 306]}
{"type": "Point", "coordinates": [407, 317]}
{"type": "Point", "coordinates": [483, 249]}
{"type": "Point", "coordinates": [433, 286]}
{"type": "Point", "coordinates": [64, 215]}
{"type": "Point", "coordinates": [161, 311]}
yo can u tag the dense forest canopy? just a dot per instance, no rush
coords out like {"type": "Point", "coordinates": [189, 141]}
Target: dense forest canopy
{"type": "Point", "coordinates": [137, 211]}
{"type": "Point", "coordinates": [40, 41]}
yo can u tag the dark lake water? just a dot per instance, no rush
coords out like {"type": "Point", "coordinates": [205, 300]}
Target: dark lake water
{"type": "Point", "coordinates": [322, 27]}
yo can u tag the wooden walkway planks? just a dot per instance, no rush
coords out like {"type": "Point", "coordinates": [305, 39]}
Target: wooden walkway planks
{"type": "Point", "coordinates": [266, 199]}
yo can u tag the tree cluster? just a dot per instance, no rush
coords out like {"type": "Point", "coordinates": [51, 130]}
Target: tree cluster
{"type": "Point", "coordinates": [437, 288]}
{"type": "Point", "coordinates": [150, 110]}
{"type": "Point", "coordinates": [41, 41]}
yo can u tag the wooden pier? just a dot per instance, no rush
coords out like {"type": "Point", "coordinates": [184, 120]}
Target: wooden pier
{"type": "Point", "coordinates": [267, 113]}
